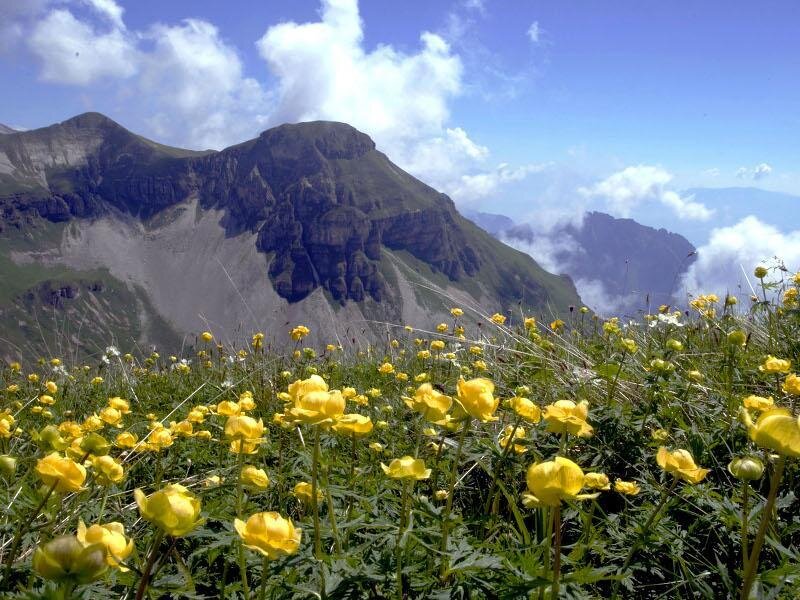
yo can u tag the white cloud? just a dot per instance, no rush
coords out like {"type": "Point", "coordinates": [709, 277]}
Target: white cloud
{"type": "Point", "coordinates": [727, 261]}
{"type": "Point", "coordinates": [627, 189]}
{"type": "Point", "coordinates": [471, 188]}
{"type": "Point", "coordinates": [74, 52]}
{"type": "Point", "coordinates": [195, 84]}
{"type": "Point", "coordinates": [109, 9]}
{"type": "Point", "coordinates": [534, 32]}
{"type": "Point", "coordinates": [593, 293]}
{"type": "Point", "coordinates": [760, 171]}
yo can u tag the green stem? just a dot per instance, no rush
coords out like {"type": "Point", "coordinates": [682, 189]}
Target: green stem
{"type": "Point", "coordinates": [557, 551]}
{"type": "Point", "coordinates": [745, 494]}
{"type": "Point", "coordinates": [752, 563]}
{"type": "Point", "coordinates": [262, 591]}
{"type": "Point", "coordinates": [148, 567]}
{"type": "Point", "coordinates": [239, 494]}
{"type": "Point", "coordinates": [500, 465]}
{"type": "Point", "coordinates": [643, 532]}
{"type": "Point", "coordinates": [332, 512]}
{"type": "Point", "coordinates": [450, 493]}
{"type": "Point", "coordinates": [314, 502]}
{"type": "Point", "coordinates": [400, 531]}
{"type": "Point", "coordinates": [613, 385]}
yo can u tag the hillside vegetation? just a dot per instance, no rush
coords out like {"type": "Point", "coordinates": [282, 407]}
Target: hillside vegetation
{"type": "Point", "coordinates": [580, 458]}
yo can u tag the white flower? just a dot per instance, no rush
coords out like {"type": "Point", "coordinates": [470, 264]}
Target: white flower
{"type": "Point", "coordinates": [112, 351]}
{"type": "Point", "coordinates": [666, 320]}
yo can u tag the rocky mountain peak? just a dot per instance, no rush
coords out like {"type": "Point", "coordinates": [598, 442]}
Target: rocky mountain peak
{"type": "Point", "coordinates": [333, 140]}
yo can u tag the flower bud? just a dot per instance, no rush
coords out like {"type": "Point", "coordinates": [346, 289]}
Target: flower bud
{"type": "Point", "coordinates": [746, 468]}
{"type": "Point", "coordinates": [66, 559]}
{"type": "Point", "coordinates": [95, 444]}
{"type": "Point", "coordinates": [8, 465]}
{"type": "Point", "coordinates": [760, 272]}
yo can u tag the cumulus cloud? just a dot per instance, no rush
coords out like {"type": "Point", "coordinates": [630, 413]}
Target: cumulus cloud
{"type": "Point", "coordinates": [760, 171]}
{"type": "Point", "coordinates": [534, 32]}
{"type": "Point", "coordinates": [471, 188]}
{"type": "Point", "coordinates": [726, 262]}
{"type": "Point", "coordinates": [74, 52]}
{"type": "Point", "coordinates": [195, 84]}
{"type": "Point", "coordinates": [627, 189]}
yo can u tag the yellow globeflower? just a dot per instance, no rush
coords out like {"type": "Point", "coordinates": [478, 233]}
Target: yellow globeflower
{"type": "Point", "coordinates": [254, 477]}
{"type": "Point", "coordinates": [111, 416]}
{"type": "Point", "coordinates": [456, 312]}
{"type": "Point", "coordinates": [476, 396]}
{"type": "Point", "coordinates": [126, 440]}
{"type": "Point", "coordinates": [406, 467]}
{"type": "Point", "coordinates": [776, 430]}
{"type": "Point", "coordinates": [112, 537]}
{"type": "Point", "coordinates": [242, 427]}
{"type": "Point", "coordinates": [120, 404]}
{"type": "Point", "coordinates": [317, 408]}
{"type": "Point", "coordinates": [774, 365]}
{"type": "Point", "coordinates": [65, 559]}
{"type": "Point", "coordinates": [299, 332]}
{"type": "Point", "coordinates": [597, 481]}
{"type": "Point", "coordinates": [228, 408]}
{"type": "Point", "coordinates": [553, 481]}
{"type": "Point", "coordinates": [159, 439]}
{"type": "Point", "coordinates": [51, 387]}
{"type": "Point", "coordinates": [302, 491]}
{"type": "Point", "coordinates": [65, 473]}
{"type": "Point", "coordinates": [525, 409]}
{"type": "Point", "coordinates": [791, 385]}
{"type": "Point", "coordinates": [386, 368]}
{"type": "Point", "coordinates": [681, 464]}
{"type": "Point", "coordinates": [429, 402]}
{"type": "Point", "coordinates": [173, 509]}
{"type": "Point", "coordinates": [353, 424]}
{"type": "Point", "coordinates": [758, 402]}
{"type": "Point", "coordinates": [505, 438]}
{"type": "Point", "coordinates": [497, 319]}
{"type": "Point", "coordinates": [628, 488]}
{"type": "Point", "coordinates": [564, 416]}
{"type": "Point", "coordinates": [270, 534]}
{"type": "Point", "coordinates": [108, 469]}
{"type": "Point", "coordinates": [207, 336]}
{"type": "Point", "coordinates": [301, 387]}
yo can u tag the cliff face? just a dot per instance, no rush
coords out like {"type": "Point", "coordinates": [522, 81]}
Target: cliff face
{"type": "Point", "coordinates": [321, 201]}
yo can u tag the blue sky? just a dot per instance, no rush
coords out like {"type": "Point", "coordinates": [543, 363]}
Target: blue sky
{"type": "Point", "coordinates": [539, 110]}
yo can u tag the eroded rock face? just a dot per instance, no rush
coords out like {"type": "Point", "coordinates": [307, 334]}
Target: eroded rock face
{"type": "Point", "coordinates": [321, 199]}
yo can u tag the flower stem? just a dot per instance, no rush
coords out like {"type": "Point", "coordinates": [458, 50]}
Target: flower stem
{"type": "Point", "coordinates": [148, 567]}
{"type": "Point", "coordinates": [12, 555]}
{"type": "Point", "coordinates": [752, 563]}
{"type": "Point", "coordinates": [557, 551]}
{"type": "Point", "coordinates": [262, 592]}
{"type": "Point", "coordinates": [449, 506]}
{"type": "Point", "coordinates": [745, 508]}
{"type": "Point", "coordinates": [314, 502]}
{"type": "Point", "coordinates": [239, 494]}
{"type": "Point", "coordinates": [400, 531]}
{"type": "Point", "coordinates": [500, 465]}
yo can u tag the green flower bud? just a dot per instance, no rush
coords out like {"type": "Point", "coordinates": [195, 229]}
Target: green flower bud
{"type": "Point", "coordinates": [95, 444]}
{"type": "Point", "coordinates": [8, 465]}
{"type": "Point", "coordinates": [746, 468]}
{"type": "Point", "coordinates": [66, 559]}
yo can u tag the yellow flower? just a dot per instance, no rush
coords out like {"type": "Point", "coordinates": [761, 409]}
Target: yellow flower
{"type": "Point", "coordinates": [525, 409]}
{"type": "Point", "coordinates": [302, 491]}
{"type": "Point", "coordinates": [441, 327]}
{"type": "Point", "coordinates": [758, 402]}
{"type": "Point", "coordinates": [564, 416]}
{"type": "Point", "coordinates": [553, 481]}
{"type": "Point", "coordinates": [406, 467]}
{"type": "Point", "coordinates": [207, 336]}
{"type": "Point", "coordinates": [429, 402]}
{"type": "Point", "coordinates": [66, 559]}
{"type": "Point", "coordinates": [119, 404]}
{"type": "Point", "coordinates": [92, 423]}
{"type": "Point", "coordinates": [476, 396]}
{"type": "Point", "coordinates": [774, 365]}
{"type": "Point", "coordinates": [254, 477]}
{"type": "Point", "coordinates": [456, 312]}
{"type": "Point", "coordinates": [628, 488]}
{"type": "Point", "coordinates": [111, 537]}
{"type": "Point", "coordinates": [681, 464]}
{"type": "Point", "coordinates": [505, 438]}
{"type": "Point", "coordinates": [353, 424]}
{"type": "Point", "coordinates": [791, 385]}
{"type": "Point", "coordinates": [660, 435]}
{"type": "Point", "coordinates": [242, 446]}
{"type": "Point", "coordinates": [159, 439]}
{"type": "Point", "coordinates": [299, 332]}
{"type": "Point", "coordinates": [63, 472]}
{"type": "Point", "coordinates": [126, 440]}
{"type": "Point", "coordinates": [181, 428]}
{"type": "Point", "coordinates": [108, 469]}
{"type": "Point", "coordinates": [376, 446]}
{"type": "Point", "coordinates": [51, 387]}
{"type": "Point", "coordinates": [111, 416]}
{"type": "Point", "coordinates": [437, 345]}
{"type": "Point", "coordinates": [242, 427]}
{"type": "Point", "coordinates": [269, 533]}
{"type": "Point", "coordinates": [317, 408]}
{"type": "Point", "coordinates": [497, 319]}
{"type": "Point", "coordinates": [96, 381]}
{"type": "Point", "coordinates": [530, 323]}
{"type": "Point", "coordinates": [386, 368]}
{"type": "Point", "coordinates": [597, 481]}
{"type": "Point", "coordinates": [775, 429]}
{"type": "Point", "coordinates": [557, 325]}
{"type": "Point", "coordinates": [228, 408]}
{"type": "Point", "coordinates": [173, 509]}
{"type": "Point", "coordinates": [301, 387]}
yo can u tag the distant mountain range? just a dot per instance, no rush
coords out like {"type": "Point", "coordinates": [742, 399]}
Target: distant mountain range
{"type": "Point", "coordinates": [118, 236]}
{"type": "Point", "coordinates": [618, 265]}
{"type": "Point", "coordinates": [6, 129]}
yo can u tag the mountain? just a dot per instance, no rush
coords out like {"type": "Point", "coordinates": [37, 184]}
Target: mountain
{"type": "Point", "coordinates": [308, 223]}
{"type": "Point", "coordinates": [617, 264]}
{"type": "Point", "coordinates": [6, 129]}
